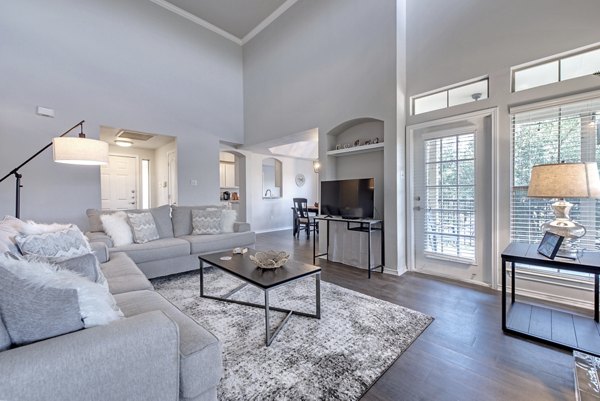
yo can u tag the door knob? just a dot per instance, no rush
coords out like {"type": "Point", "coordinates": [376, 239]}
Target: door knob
{"type": "Point", "coordinates": [417, 208]}
{"type": "Point", "coordinates": [133, 191]}
{"type": "Point", "coordinates": [132, 203]}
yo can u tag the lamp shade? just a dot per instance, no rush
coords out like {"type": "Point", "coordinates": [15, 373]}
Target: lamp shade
{"type": "Point", "coordinates": [564, 180]}
{"type": "Point", "coordinates": [83, 151]}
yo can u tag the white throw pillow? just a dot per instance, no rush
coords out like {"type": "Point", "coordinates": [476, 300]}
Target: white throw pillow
{"type": "Point", "coordinates": [96, 305]}
{"type": "Point", "coordinates": [31, 227]}
{"type": "Point", "coordinates": [228, 217]}
{"type": "Point", "coordinates": [9, 229]}
{"type": "Point", "coordinates": [117, 227]}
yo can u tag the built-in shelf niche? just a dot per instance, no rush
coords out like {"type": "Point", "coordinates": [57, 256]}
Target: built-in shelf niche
{"type": "Point", "coordinates": [374, 147]}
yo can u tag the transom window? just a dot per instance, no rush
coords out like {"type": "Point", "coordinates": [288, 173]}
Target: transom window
{"type": "Point", "coordinates": [453, 95]}
{"type": "Point", "coordinates": [450, 191]}
{"type": "Point", "coordinates": [559, 68]}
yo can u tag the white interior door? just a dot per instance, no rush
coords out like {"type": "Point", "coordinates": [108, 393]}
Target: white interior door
{"type": "Point", "coordinates": [452, 201]}
{"type": "Point", "coordinates": [172, 183]}
{"type": "Point", "coordinates": [118, 183]}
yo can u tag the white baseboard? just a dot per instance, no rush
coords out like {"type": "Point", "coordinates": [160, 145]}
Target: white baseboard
{"type": "Point", "coordinates": [270, 230]}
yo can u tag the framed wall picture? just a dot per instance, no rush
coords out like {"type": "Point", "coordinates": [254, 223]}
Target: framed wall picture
{"type": "Point", "coordinates": [550, 244]}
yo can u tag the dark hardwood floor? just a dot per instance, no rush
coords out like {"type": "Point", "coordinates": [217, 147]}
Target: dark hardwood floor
{"type": "Point", "coordinates": [463, 354]}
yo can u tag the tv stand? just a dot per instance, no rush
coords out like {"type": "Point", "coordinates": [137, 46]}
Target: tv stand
{"type": "Point", "coordinates": [359, 225]}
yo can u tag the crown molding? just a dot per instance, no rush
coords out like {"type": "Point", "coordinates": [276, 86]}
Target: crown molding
{"type": "Point", "coordinates": [198, 20]}
{"type": "Point", "coordinates": [267, 21]}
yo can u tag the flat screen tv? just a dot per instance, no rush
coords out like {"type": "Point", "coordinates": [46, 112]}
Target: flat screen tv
{"type": "Point", "coordinates": [352, 199]}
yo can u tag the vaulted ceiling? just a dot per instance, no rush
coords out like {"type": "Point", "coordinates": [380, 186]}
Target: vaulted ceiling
{"type": "Point", "coordinates": [237, 20]}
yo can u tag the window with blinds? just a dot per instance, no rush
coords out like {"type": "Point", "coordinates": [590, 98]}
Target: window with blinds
{"type": "Point", "coordinates": [565, 132]}
{"type": "Point", "coordinates": [450, 197]}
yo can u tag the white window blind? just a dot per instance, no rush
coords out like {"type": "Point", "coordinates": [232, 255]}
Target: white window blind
{"type": "Point", "coordinates": [450, 191]}
{"type": "Point", "coordinates": [567, 132]}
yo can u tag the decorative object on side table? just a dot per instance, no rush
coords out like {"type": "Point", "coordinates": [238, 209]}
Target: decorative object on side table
{"type": "Point", "coordinates": [564, 180]}
{"type": "Point", "coordinates": [550, 244]}
{"type": "Point", "coordinates": [270, 259]}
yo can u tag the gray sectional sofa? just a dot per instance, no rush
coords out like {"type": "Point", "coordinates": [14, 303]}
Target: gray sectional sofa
{"type": "Point", "coordinates": [155, 353]}
{"type": "Point", "coordinates": [176, 250]}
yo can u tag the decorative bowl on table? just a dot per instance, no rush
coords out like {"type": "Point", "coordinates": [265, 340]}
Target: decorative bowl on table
{"type": "Point", "coordinates": [270, 259]}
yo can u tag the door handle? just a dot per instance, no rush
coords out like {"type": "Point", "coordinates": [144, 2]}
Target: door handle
{"type": "Point", "coordinates": [132, 203]}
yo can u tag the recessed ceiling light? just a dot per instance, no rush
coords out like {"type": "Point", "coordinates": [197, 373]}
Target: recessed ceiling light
{"type": "Point", "coordinates": [124, 143]}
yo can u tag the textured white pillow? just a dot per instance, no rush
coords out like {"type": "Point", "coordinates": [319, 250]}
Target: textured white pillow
{"type": "Point", "coordinates": [117, 227]}
{"type": "Point", "coordinates": [96, 305]}
{"type": "Point", "coordinates": [228, 217]}
{"type": "Point", "coordinates": [9, 229]}
{"type": "Point", "coordinates": [31, 227]}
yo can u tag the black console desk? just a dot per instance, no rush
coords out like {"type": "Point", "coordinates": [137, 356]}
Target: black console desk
{"type": "Point", "coordinates": [565, 330]}
{"type": "Point", "coordinates": [360, 225]}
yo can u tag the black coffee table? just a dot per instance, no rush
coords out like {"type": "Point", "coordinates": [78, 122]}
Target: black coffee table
{"type": "Point", "coordinates": [242, 267]}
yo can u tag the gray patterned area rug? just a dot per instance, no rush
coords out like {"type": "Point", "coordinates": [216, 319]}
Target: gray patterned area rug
{"type": "Point", "coordinates": [335, 358]}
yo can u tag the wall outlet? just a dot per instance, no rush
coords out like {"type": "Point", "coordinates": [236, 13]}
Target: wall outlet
{"type": "Point", "coordinates": [44, 111]}
{"type": "Point", "coordinates": [194, 183]}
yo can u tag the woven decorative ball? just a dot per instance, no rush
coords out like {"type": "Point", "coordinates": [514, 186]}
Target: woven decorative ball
{"type": "Point", "coordinates": [270, 259]}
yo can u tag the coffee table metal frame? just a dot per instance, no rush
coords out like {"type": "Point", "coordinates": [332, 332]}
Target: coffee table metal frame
{"type": "Point", "coordinates": [270, 336]}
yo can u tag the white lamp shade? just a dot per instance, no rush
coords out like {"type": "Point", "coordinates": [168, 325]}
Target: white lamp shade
{"type": "Point", "coordinates": [564, 180]}
{"type": "Point", "coordinates": [84, 151]}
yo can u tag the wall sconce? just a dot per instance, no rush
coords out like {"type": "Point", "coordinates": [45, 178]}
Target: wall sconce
{"type": "Point", "coordinates": [317, 166]}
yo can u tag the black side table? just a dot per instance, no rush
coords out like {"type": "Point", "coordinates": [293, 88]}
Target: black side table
{"type": "Point", "coordinates": [565, 330]}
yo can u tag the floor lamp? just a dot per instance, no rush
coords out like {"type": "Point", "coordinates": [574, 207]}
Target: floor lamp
{"type": "Point", "coordinates": [79, 150]}
{"type": "Point", "coordinates": [317, 170]}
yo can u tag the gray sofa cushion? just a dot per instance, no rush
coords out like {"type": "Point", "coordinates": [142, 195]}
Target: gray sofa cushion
{"type": "Point", "coordinates": [161, 214]}
{"type": "Point", "coordinates": [100, 249]}
{"type": "Point", "coordinates": [86, 266]}
{"type": "Point", "coordinates": [200, 364]}
{"type": "Point", "coordinates": [182, 218]}
{"type": "Point", "coordinates": [4, 337]}
{"type": "Point", "coordinates": [123, 275]}
{"type": "Point", "coordinates": [155, 250]}
{"type": "Point", "coordinates": [219, 242]}
{"type": "Point", "coordinates": [33, 313]}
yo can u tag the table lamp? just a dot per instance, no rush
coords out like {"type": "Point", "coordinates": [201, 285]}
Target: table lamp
{"type": "Point", "coordinates": [564, 180]}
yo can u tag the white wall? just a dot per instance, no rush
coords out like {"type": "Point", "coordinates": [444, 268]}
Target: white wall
{"type": "Point", "coordinates": [276, 214]}
{"type": "Point", "coordinates": [119, 64]}
{"type": "Point", "coordinates": [322, 63]}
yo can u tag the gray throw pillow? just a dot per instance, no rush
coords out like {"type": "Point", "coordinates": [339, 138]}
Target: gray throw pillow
{"type": "Point", "coordinates": [206, 221]}
{"type": "Point", "coordinates": [143, 227]}
{"type": "Point", "coordinates": [61, 245]}
{"type": "Point", "coordinates": [33, 313]}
